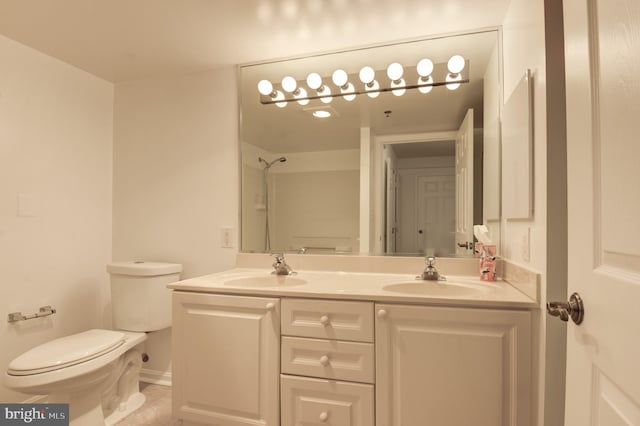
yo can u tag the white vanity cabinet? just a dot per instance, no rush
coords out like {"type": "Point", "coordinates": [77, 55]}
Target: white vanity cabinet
{"type": "Point", "coordinates": [452, 366]}
{"type": "Point", "coordinates": [226, 359]}
{"type": "Point", "coordinates": [284, 361]}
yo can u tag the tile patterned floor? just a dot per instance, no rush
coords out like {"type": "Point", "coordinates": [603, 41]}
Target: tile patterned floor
{"type": "Point", "coordinates": [156, 410]}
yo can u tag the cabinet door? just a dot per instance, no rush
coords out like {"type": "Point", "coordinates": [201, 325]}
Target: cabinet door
{"type": "Point", "coordinates": [452, 366]}
{"type": "Point", "coordinates": [226, 357]}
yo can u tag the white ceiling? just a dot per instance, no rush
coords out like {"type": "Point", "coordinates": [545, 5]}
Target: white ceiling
{"type": "Point", "coordinates": [122, 40]}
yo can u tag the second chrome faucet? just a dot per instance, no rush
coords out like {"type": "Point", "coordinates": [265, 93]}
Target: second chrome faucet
{"type": "Point", "coordinates": [280, 266]}
{"type": "Point", "coordinates": [430, 272]}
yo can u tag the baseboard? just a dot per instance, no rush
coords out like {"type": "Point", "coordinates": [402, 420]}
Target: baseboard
{"type": "Point", "coordinates": [155, 377]}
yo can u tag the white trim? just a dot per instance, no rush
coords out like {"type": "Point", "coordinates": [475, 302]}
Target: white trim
{"type": "Point", "coordinates": [365, 189]}
{"type": "Point", "coordinates": [377, 178]}
{"type": "Point", "coordinates": [155, 377]}
{"type": "Point", "coordinates": [416, 137]}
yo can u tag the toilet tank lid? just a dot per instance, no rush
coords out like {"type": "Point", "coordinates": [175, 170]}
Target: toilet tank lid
{"type": "Point", "coordinates": [142, 268]}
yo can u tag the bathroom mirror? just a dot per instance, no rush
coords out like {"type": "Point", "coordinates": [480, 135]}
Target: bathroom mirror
{"type": "Point", "coordinates": [382, 175]}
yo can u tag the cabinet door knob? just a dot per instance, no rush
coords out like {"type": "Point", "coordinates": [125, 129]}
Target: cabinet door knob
{"type": "Point", "coordinates": [324, 320]}
{"type": "Point", "coordinates": [271, 306]}
{"type": "Point", "coordinates": [324, 360]}
{"type": "Point", "coordinates": [382, 314]}
{"type": "Point", "coordinates": [324, 416]}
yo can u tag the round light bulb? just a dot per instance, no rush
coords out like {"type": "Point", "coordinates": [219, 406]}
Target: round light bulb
{"type": "Point", "coordinates": [314, 81]}
{"type": "Point", "coordinates": [395, 71]}
{"type": "Point", "coordinates": [399, 88]}
{"type": "Point", "coordinates": [340, 77]}
{"type": "Point", "coordinates": [455, 64]}
{"type": "Point", "coordinates": [451, 81]}
{"type": "Point", "coordinates": [301, 94]}
{"type": "Point", "coordinates": [424, 85]}
{"type": "Point", "coordinates": [350, 89]}
{"type": "Point", "coordinates": [289, 84]}
{"type": "Point", "coordinates": [326, 95]}
{"type": "Point", "coordinates": [265, 87]}
{"type": "Point", "coordinates": [424, 67]}
{"type": "Point", "coordinates": [367, 74]}
{"type": "Point", "coordinates": [279, 97]}
{"type": "Point", "coordinates": [372, 91]}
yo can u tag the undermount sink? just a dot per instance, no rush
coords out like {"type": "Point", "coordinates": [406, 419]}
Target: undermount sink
{"type": "Point", "coordinates": [438, 287]}
{"type": "Point", "coordinates": [266, 281]}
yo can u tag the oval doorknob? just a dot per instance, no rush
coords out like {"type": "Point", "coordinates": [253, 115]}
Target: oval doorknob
{"type": "Point", "coordinates": [324, 416]}
{"type": "Point", "coordinates": [270, 306]}
{"type": "Point", "coordinates": [324, 320]}
{"type": "Point", "coordinates": [324, 360]}
{"type": "Point", "coordinates": [382, 314]}
{"type": "Point", "coordinates": [574, 309]}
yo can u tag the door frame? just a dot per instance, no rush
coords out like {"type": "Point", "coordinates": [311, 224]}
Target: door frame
{"type": "Point", "coordinates": [377, 180]}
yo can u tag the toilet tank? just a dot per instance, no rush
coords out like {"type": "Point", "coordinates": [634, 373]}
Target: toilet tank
{"type": "Point", "coordinates": [140, 298]}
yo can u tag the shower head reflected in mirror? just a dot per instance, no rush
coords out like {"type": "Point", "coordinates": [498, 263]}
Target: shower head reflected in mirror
{"type": "Point", "coordinates": [265, 173]}
{"type": "Point", "coordinates": [269, 164]}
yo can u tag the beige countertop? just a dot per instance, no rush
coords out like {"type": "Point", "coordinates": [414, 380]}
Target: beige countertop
{"type": "Point", "coordinates": [377, 287]}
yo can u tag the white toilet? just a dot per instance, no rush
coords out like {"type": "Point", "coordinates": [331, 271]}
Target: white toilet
{"type": "Point", "coordinates": [97, 371]}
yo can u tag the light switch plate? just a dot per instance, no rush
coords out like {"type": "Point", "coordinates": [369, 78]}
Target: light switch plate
{"type": "Point", "coordinates": [226, 238]}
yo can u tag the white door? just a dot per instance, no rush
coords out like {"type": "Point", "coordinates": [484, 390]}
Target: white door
{"type": "Point", "coordinates": [602, 46]}
{"type": "Point", "coordinates": [390, 206]}
{"type": "Point", "coordinates": [464, 185]}
{"type": "Point", "coordinates": [435, 208]}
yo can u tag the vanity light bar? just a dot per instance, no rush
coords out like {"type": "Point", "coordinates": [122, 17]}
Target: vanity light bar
{"type": "Point", "coordinates": [451, 75]}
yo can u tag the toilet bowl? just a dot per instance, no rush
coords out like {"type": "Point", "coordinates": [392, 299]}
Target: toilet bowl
{"type": "Point", "coordinates": [77, 369]}
{"type": "Point", "coordinates": [97, 371]}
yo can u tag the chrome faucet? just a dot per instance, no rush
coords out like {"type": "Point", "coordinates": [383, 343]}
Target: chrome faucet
{"type": "Point", "coordinates": [430, 273]}
{"type": "Point", "coordinates": [280, 266]}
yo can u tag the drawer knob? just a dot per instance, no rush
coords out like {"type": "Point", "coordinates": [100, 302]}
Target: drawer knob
{"type": "Point", "coordinates": [324, 360]}
{"type": "Point", "coordinates": [324, 320]}
{"type": "Point", "coordinates": [324, 416]}
{"type": "Point", "coordinates": [382, 314]}
{"type": "Point", "coordinates": [270, 306]}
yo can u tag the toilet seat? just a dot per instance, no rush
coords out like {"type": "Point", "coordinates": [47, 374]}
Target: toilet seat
{"type": "Point", "coordinates": [65, 352]}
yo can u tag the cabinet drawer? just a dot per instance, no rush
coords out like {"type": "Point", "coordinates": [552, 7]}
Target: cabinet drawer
{"type": "Point", "coordinates": [328, 319]}
{"type": "Point", "coordinates": [331, 359]}
{"type": "Point", "coordinates": [325, 402]}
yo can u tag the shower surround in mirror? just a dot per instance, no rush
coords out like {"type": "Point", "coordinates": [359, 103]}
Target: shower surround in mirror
{"type": "Point", "coordinates": [313, 201]}
{"type": "Point", "coordinates": [380, 175]}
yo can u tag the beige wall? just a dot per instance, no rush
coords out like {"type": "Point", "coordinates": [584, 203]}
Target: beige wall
{"type": "Point", "coordinates": [55, 156]}
{"type": "Point", "coordinates": [524, 47]}
{"type": "Point", "coordinates": [176, 176]}
{"type": "Point", "coordinates": [491, 168]}
{"type": "Point", "coordinates": [175, 169]}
